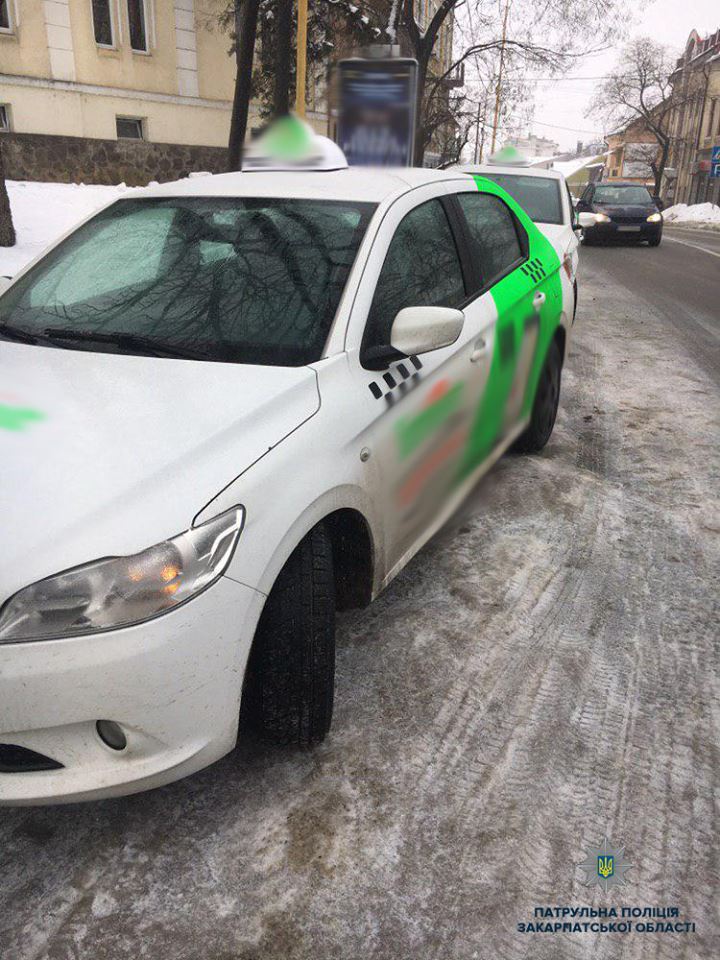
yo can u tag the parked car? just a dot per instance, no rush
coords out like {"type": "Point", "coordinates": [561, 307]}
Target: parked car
{"type": "Point", "coordinates": [237, 404]}
{"type": "Point", "coordinates": [546, 198]}
{"type": "Point", "coordinates": [619, 211]}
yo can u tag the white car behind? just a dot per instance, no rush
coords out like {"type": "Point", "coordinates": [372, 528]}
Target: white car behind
{"type": "Point", "coordinates": [545, 197]}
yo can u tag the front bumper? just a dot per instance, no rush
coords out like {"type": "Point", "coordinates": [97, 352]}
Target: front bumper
{"type": "Point", "coordinates": [623, 231]}
{"type": "Point", "coordinates": [172, 683]}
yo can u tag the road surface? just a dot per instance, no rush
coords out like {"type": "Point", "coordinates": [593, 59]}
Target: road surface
{"type": "Point", "coordinates": [542, 675]}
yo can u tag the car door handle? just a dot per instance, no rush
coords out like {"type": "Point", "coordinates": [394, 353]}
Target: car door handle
{"type": "Point", "coordinates": [539, 299]}
{"type": "Point", "coordinates": [480, 351]}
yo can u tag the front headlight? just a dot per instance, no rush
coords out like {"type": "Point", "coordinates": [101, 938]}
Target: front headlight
{"type": "Point", "coordinates": [123, 590]}
{"type": "Point", "coordinates": [602, 218]}
{"type": "Point", "coordinates": [654, 218]}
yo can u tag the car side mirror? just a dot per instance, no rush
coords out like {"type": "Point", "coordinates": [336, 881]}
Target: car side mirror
{"type": "Point", "coordinates": [658, 203]}
{"type": "Point", "coordinates": [582, 206]}
{"type": "Point", "coordinates": [422, 329]}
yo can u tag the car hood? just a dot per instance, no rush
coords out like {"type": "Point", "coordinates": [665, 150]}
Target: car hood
{"type": "Point", "coordinates": [625, 209]}
{"type": "Point", "coordinates": [105, 454]}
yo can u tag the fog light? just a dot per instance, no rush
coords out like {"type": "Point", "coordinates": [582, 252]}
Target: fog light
{"type": "Point", "coordinates": [111, 734]}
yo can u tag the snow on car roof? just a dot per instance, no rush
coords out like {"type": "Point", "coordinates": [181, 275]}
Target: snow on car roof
{"type": "Point", "coordinates": [354, 183]}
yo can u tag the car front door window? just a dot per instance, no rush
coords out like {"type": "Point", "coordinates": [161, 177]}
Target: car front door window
{"type": "Point", "coordinates": [421, 268]}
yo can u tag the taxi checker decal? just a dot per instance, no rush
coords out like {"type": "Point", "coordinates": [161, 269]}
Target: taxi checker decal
{"type": "Point", "coordinates": [534, 269]}
{"type": "Point", "coordinates": [400, 380]}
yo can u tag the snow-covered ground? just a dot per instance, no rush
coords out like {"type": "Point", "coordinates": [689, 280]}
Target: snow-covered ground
{"type": "Point", "coordinates": [44, 211]}
{"type": "Point", "coordinates": [697, 213]}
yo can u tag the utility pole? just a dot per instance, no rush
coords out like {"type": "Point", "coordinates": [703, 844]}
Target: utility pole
{"type": "Point", "coordinates": [477, 134]}
{"type": "Point", "coordinates": [301, 70]}
{"type": "Point", "coordinates": [498, 88]}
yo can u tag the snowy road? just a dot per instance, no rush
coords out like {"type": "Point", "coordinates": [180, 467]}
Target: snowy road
{"type": "Point", "coordinates": [543, 674]}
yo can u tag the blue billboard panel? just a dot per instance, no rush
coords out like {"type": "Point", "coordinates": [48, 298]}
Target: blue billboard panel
{"type": "Point", "coordinates": [376, 111]}
{"type": "Point", "coordinates": [715, 162]}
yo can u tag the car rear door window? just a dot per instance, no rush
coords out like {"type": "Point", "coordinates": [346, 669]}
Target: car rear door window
{"type": "Point", "coordinates": [539, 197]}
{"type": "Point", "coordinates": [421, 269]}
{"type": "Point", "coordinates": [493, 234]}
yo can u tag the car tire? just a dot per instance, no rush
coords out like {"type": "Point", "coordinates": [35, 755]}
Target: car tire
{"type": "Point", "coordinates": [544, 411]}
{"type": "Point", "coordinates": [290, 678]}
{"type": "Point", "coordinates": [655, 241]}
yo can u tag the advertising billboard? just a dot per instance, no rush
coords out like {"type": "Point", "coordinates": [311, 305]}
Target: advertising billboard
{"type": "Point", "coordinates": [376, 111]}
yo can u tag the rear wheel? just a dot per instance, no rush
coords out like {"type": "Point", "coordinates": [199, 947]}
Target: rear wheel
{"type": "Point", "coordinates": [544, 411]}
{"type": "Point", "coordinates": [290, 678]}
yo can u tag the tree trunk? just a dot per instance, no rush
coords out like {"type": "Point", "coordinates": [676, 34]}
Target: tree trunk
{"type": "Point", "coordinates": [246, 17]}
{"type": "Point", "coordinates": [423, 59]}
{"type": "Point", "coordinates": [283, 53]}
{"type": "Point", "coordinates": [7, 231]}
{"type": "Point", "coordinates": [660, 169]}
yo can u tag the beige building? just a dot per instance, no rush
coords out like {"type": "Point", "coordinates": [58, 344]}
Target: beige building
{"type": "Point", "coordinates": [151, 69]}
{"type": "Point", "coordinates": [129, 89]}
{"type": "Point", "coordinates": [92, 71]}
{"type": "Point", "coordinates": [696, 121]}
{"type": "Point", "coordinates": [629, 153]}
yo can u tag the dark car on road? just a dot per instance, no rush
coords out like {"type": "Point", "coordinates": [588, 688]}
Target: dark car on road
{"type": "Point", "coordinates": [619, 211]}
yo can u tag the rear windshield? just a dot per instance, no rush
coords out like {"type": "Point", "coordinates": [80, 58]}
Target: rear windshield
{"type": "Point", "coordinates": [235, 280]}
{"type": "Point", "coordinates": [620, 194]}
{"type": "Point", "coordinates": [539, 197]}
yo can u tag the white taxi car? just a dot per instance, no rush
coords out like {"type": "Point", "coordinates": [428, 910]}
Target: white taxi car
{"type": "Point", "coordinates": [230, 406]}
{"type": "Point", "coordinates": [545, 197]}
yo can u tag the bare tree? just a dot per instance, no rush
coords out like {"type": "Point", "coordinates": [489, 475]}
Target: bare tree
{"type": "Point", "coordinates": [7, 230]}
{"type": "Point", "coordinates": [640, 92]}
{"type": "Point", "coordinates": [245, 13]}
{"type": "Point", "coordinates": [544, 38]}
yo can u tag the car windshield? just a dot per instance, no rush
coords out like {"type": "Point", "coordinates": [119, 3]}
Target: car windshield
{"type": "Point", "coordinates": [225, 279]}
{"type": "Point", "coordinates": [620, 195]}
{"type": "Point", "coordinates": [538, 196]}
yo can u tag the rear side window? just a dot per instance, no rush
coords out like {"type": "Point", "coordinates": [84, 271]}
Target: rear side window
{"type": "Point", "coordinates": [421, 269]}
{"type": "Point", "coordinates": [494, 240]}
{"type": "Point", "coordinates": [539, 197]}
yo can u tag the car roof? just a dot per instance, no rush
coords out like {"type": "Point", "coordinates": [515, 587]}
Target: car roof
{"type": "Point", "coordinates": [490, 168]}
{"type": "Point", "coordinates": [353, 183]}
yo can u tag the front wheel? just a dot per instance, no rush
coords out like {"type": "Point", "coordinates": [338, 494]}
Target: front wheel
{"type": "Point", "coordinates": [544, 411]}
{"type": "Point", "coordinates": [290, 678]}
{"type": "Point", "coordinates": [655, 241]}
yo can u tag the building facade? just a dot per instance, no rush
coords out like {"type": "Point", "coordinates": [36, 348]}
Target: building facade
{"type": "Point", "coordinates": [696, 121]}
{"type": "Point", "coordinates": [109, 90]}
{"type": "Point", "coordinates": [629, 154]}
{"type": "Point", "coordinates": [533, 146]}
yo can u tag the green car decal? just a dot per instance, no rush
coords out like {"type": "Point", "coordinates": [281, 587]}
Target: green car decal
{"type": "Point", "coordinates": [520, 329]}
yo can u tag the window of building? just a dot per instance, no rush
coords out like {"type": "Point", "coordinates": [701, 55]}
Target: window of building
{"type": "Point", "coordinates": [137, 21]}
{"type": "Point", "coordinates": [4, 117]}
{"type": "Point", "coordinates": [129, 128]}
{"type": "Point", "coordinates": [5, 20]}
{"type": "Point", "coordinates": [492, 232]}
{"type": "Point", "coordinates": [102, 23]}
{"type": "Point", "coordinates": [421, 269]}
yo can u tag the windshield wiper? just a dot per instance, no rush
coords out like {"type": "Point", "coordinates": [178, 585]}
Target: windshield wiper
{"type": "Point", "coordinates": [17, 333]}
{"type": "Point", "coordinates": [127, 341]}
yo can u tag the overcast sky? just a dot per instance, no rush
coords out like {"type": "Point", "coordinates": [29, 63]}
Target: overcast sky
{"type": "Point", "coordinates": [561, 104]}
